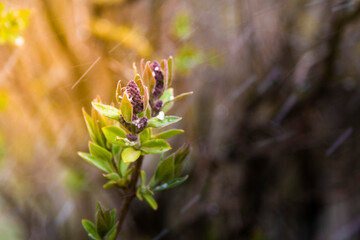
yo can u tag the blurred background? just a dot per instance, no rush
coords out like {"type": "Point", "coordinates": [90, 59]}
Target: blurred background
{"type": "Point", "coordinates": [273, 122]}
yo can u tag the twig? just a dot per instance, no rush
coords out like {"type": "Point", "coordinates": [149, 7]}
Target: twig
{"type": "Point", "coordinates": [125, 205]}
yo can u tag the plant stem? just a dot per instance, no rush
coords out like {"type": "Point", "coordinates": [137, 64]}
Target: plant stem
{"type": "Point", "coordinates": [130, 193]}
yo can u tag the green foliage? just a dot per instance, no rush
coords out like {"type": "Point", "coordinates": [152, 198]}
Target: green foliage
{"type": "Point", "coordinates": [159, 123]}
{"type": "Point", "coordinates": [105, 225]}
{"type": "Point", "coordinates": [126, 108]}
{"type": "Point", "coordinates": [130, 155]}
{"type": "Point", "coordinates": [107, 111]}
{"type": "Point", "coordinates": [12, 23]}
{"type": "Point", "coordinates": [169, 133]}
{"type": "Point", "coordinates": [122, 135]}
{"type": "Point", "coordinates": [168, 170]}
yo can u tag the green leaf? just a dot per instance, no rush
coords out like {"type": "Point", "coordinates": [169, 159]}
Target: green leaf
{"type": "Point", "coordinates": [165, 170]}
{"type": "Point", "coordinates": [111, 132]}
{"type": "Point", "coordinates": [164, 68]}
{"type": "Point", "coordinates": [95, 161]}
{"type": "Point", "coordinates": [145, 135]}
{"type": "Point", "coordinates": [99, 121]}
{"type": "Point", "coordinates": [180, 156]}
{"type": "Point", "coordinates": [101, 225]}
{"type": "Point", "coordinates": [126, 108]}
{"type": "Point", "coordinates": [148, 77]}
{"type": "Point", "coordinates": [166, 97]}
{"type": "Point", "coordinates": [147, 195]}
{"type": "Point", "coordinates": [112, 176]}
{"type": "Point", "coordinates": [124, 142]}
{"type": "Point", "coordinates": [107, 111]}
{"type": "Point", "coordinates": [169, 133]}
{"type": "Point", "coordinates": [90, 229]}
{"type": "Point", "coordinates": [179, 97]}
{"type": "Point", "coordinates": [90, 125]}
{"type": "Point", "coordinates": [100, 152]}
{"type": "Point", "coordinates": [123, 167]}
{"type": "Point", "coordinates": [130, 155]}
{"type": "Point", "coordinates": [113, 217]}
{"type": "Point", "coordinates": [157, 123]}
{"type": "Point", "coordinates": [143, 178]}
{"type": "Point", "coordinates": [155, 146]}
{"type": "Point", "coordinates": [170, 184]}
{"type": "Point", "coordinates": [169, 103]}
{"type": "Point", "coordinates": [148, 112]}
{"type": "Point", "coordinates": [112, 232]}
{"type": "Point", "coordinates": [110, 184]}
{"type": "Point", "coordinates": [118, 93]}
{"type": "Point", "coordinates": [170, 68]}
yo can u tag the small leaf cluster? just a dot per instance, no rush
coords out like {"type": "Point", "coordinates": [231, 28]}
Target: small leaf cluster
{"type": "Point", "coordinates": [12, 23]}
{"type": "Point", "coordinates": [123, 134]}
{"type": "Point", "coordinates": [105, 225]}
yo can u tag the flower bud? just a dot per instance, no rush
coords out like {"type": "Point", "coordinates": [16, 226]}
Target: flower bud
{"type": "Point", "coordinates": [135, 97]}
{"type": "Point", "coordinates": [141, 124]}
{"type": "Point", "coordinates": [131, 137]}
{"type": "Point", "coordinates": [159, 79]}
{"type": "Point", "coordinates": [157, 108]}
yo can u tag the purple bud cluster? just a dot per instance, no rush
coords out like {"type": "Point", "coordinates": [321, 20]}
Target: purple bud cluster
{"type": "Point", "coordinates": [136, 126]}
{"type": "Point", "coordinates": [159, 79]}
{"type": "Point", "coordinates": [131, 137]}
{"type": "Point", "coordinates": [135, 97]}
{"type": "Point", "coordinates": [141, 124]}
{"type": "Point", "coordinates": [157, 108]}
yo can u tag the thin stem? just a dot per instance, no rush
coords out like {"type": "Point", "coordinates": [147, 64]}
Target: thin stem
{"type": "Point", "coordinates": [125, 204]}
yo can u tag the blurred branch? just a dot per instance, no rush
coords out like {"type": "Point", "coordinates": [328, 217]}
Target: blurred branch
{"type": "Point", "coordinates": [125, 204]}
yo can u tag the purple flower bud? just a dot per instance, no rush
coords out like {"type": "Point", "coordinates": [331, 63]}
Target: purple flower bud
{"type": "Point", "coordinates": [141, 124]}
{"type": "Point", "coordinates": [157, 108]}
{"type": "Point", "coordinates": [159, 79]}
{"type": "Point", "coordinates": [135, 97]}
{"type": "Point", "coordinates": [131, 137]}
{"type": "Point", "coordinates": [134, 117]}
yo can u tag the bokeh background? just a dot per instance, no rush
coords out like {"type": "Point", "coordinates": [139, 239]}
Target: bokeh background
{"type": "Point", "coordinates": [273, 122]}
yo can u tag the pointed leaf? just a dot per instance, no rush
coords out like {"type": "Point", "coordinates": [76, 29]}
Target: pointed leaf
{"type": "Point", "coordinates": [164, 67]}
{"type": "Point", "coordinates": [169, 133]}
{"type": "Point", "coordinates": [155, 146]}
{"type": "Point", "coordinates": [113, 217]}
{"type": "Point", "coordinates": [118, 94]}
{"type": "Point", "coordinates": [148, 77]}
{"type": "Point", "coordinates": [95, 161]}
{"type": "Point", "coordinates": [180, 96]}
{"type": "Point", "coordinates": [148, 112]}
{"type": "Point", "coordinates": [90, 125]}
{"type": "Point", "coordinates": [157, 123]}
{"type": "Point", "coordinates": [107, 111]}
{"type": "Point", "coordinates": [100, 152]}
{"type": "Point", "coordinates": [112, 176]}
{"type": "Point", "coordinates": [165, 170]}
{"type": "Point", "coordinates": [126, 108]}
{"type": "Point", "coordinates": [143, 178]}
{"type": "Point", "coordinates": [110, 184]}
{"type": "Point", "coordinates": [170, 68]}
{"type": "Point", "coordinates": [130, 155]}
{"type": "Point", "coordinates": [147, 195]}
{"type": "Point", "coordinates": [145, 135]}
{"type": "Point", "coordinates": [166, 97]}
{"type": "Point", "coordinates": [111, 132]}
{"type": "Point", "coordinates": [170, 184]}
{"type": "Point", "coordinates": [90, 229]}
{"type": "Point", "coordinates": [146, 97]}
{"type": "Point", "coordinates": [112, 232]}
{"type": "Point", "coordinates": [180, 156]}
